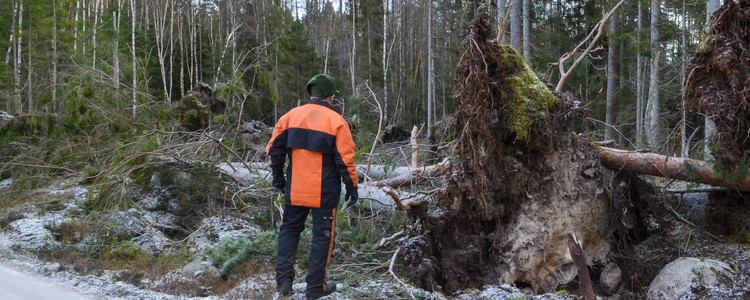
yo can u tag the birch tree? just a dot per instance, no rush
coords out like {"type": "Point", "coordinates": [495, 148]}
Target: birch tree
{"type": "Point", "coordinates": [385, 60]}
{"type": "Point", "coordinates": [160, 28]}
{"type": "Point", "coordinates": [653, 120]}
{"type": "Point", "coordinates": [75, 29]}
{"type": "Point", "coordinates": [639, 115]}
{"type": "Point", "coordinates": [53, 75]}
{"type": "Point", "coordinates": [133, 58]}
{"type": "Point", "coordinates": [116, 15]}
{"type": "Point", "coordinates": [18, 55]}
{"type": "Point", "coordinates": [710, 127]}
{"type": "Point", "coordinates": [171, 48]}
{"type": "Point", "coordinates": [96, 26]}
{"type": "Point", "coordinates": [430, 76]}
{"type": "Point", "coordinates": [611, 78]}
{"type": "Point", "coordinates": [501, 16]}
{"type": "Point", "coordinates": [352, 57]}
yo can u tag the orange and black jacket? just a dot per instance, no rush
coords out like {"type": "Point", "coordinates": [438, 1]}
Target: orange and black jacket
{"type": "Point", "coordinates": [319, 145]}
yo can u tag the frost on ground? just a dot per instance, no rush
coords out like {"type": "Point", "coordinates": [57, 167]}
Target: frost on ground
{"type": "Point", "coordinates": [35, 227]}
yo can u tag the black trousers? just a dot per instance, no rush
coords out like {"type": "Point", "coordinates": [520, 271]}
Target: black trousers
{"type": "Point", "coordinates": [324, 229]}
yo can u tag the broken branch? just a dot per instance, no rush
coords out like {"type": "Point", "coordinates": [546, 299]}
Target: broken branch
{"type": "Point", "coordinates": [598, 29]}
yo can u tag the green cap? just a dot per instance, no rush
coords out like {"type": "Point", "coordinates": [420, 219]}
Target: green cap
{"type": "Point", "coordinates": [321, 86]}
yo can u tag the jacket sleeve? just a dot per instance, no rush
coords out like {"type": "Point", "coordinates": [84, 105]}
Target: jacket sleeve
{"type": "Point", "coordinates": [277, 147]}
{"type": "Point", "coordinates": [344, 156]}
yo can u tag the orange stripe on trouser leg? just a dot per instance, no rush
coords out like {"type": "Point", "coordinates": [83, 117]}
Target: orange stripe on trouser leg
{"type": "Point", "coordinates": [330, 249]}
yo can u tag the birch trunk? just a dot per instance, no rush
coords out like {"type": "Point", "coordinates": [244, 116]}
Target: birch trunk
{"type": "Point", "coordinates": [684, 151]}
{"type": "Point", "coordinates": [353, 56]}
{"type": "Point", "coordinates": [171, 49]}
{"type": "Point", "coordinates": [160, 23]}
{"type": "Point", "coordinates": [84, 14]}
{"type": "Point", "coordinates": [429, 69]}
{"type": "Point", "coordinates": [611, 79]}
{"type": "Point", "coordinates": [133, 59]}
{"type": "Point", "coordinates": [385, 61]}
{"type": "Point", "coordinates": [710, 127]}
{"type": "Point", "coordinates": [654, 135]}
{"type": "Point", "coordinates": [54, 54]}
{"type": "Point", "coordinates": [19, 53]}
{"type": "Point", "coordinates": [75, 28]}
{"type": "Point", "coordinates": [115, 56]}
{"type": "Point", "coordinates": [96, 26]}
{"type": "Point", "coordinates": [639, 86]}
{"type": "Point", "coordinates": [183, 56]}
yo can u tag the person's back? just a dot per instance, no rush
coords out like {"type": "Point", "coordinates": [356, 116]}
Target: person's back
{"type": "Point", "coordinates": [319, 146]}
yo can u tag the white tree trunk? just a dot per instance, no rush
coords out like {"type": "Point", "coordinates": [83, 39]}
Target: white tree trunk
{"type": "Point", "coordinates": [353, 56]}
{"type": "Point", "coordinates": [132, 53]}
{"type": "Point", "coordinates": [115, 57]}
{"type": "Point", "coordinates": [160, 24]}
{"type": "Point", "coordinates": [75, 29]}
{"type": "Point", "coordinates": [96, 26]}
{"type": "Point", "coordinates": [183, 56]}
{"type": "Point", "coordinates": [429, 69]}
{"type": "Point", "coordinates": [611, 80]}
{"type": "Point", "coordinates": [84, 20]}
{"type": "Point", "coordinates": [684, 147]}
{"type": "Point", "coordinates": [54, 53]}
{"type": "Point", "coordinates": [17, 63]}
{"type": "Point", "coordinates": [710, 127]}
{"type": "Point", "coordinates": [654, 136]}
{"type": "Point", "coordinates": [639, 87]}
{"type": "Point", "coordinates": [171, 49]}
{"type": "Point", "coordinates": [385, 60]}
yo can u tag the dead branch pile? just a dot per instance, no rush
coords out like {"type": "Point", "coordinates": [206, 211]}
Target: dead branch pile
{"type": "Point", "coordinates": [718, 82]}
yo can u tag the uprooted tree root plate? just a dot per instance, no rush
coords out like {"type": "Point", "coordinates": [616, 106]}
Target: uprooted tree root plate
{"type": "Point", "coordinates": [718, 82]}
{"type": "Point", "coordinates": [523, 180]}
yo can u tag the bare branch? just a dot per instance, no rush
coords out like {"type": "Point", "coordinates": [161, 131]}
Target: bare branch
{"type": "Point", "coordinates": [598, 29]}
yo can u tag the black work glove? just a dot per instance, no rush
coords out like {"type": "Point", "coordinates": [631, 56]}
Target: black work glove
{"type": "Point", "coordinates": [351, 197]}
{"type": "Point", "coordinates": [279, 182]}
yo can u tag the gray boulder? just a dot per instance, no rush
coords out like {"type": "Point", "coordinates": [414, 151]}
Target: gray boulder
{"type": "Point", "coordinates": [610, 278]}
{"type": "Point", "coordinates": [675, 279]}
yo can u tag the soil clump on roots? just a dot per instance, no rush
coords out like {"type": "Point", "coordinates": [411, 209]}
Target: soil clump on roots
{"type": "Point", "coordinates": [718, 82]}
{"type": "Point", "coordinates": [522, 181]}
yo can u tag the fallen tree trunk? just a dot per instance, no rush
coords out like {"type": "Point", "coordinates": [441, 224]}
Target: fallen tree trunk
{"type": "Point", "coordinates": [680, 168]}
{"type": "Point", "coordinates": [382, 195]}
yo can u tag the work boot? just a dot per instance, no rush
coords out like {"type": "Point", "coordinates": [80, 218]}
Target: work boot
{"type": "Point", "coordinates": [319, 292]}
{"type": "Point", "coordinates": [284, 287]}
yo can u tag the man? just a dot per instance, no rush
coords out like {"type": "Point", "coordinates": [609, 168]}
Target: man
{"type": "Point", "coordinates": [320, 149]}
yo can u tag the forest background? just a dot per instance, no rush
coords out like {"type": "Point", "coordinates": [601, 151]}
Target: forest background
{"type": "Point", "coordinates": [63, 56]}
